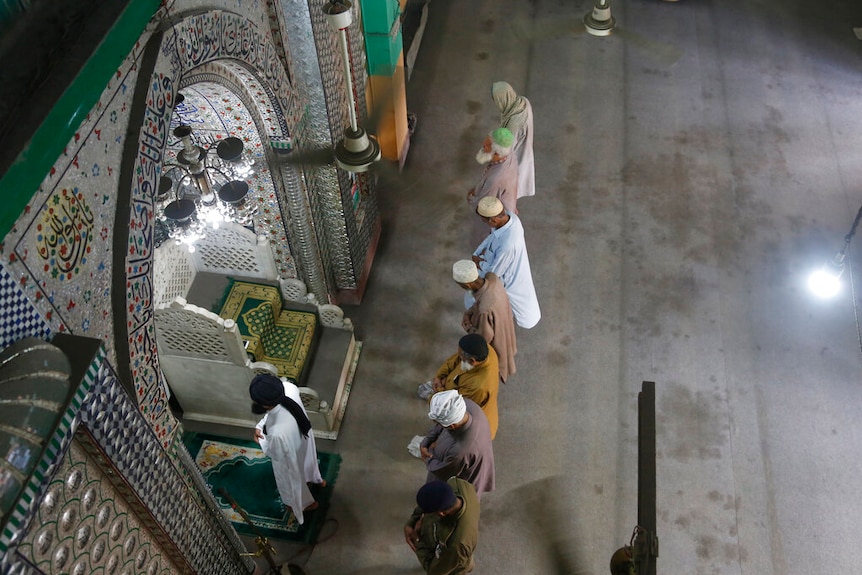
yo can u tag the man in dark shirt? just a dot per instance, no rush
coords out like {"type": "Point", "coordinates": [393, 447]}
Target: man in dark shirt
{"type": "Point", "coordinates": [444, 528]}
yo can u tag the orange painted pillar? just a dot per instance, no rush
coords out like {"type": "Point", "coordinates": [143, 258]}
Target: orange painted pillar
{"type": "Point", "coordinates": [386, 88]}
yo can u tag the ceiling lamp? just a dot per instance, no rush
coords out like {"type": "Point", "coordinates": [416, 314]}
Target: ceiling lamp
{"type": "Point", "coordinates": [203, 189]}
{"type": "Point", "coordinates": [356, 152]}
{"type": "Point", "coordinates": [599, 21]}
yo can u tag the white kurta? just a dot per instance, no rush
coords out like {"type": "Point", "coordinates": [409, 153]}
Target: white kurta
{"type": "Point", "coordinates": [523, 152]}
{"type": "Point", "coordinates": [294, 457]}
{"type": "Point", "coordinates": [505, 253]}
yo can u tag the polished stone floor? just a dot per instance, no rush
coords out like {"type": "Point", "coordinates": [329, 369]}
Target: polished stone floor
{"type": "Point", "coordinates": [691, 170]}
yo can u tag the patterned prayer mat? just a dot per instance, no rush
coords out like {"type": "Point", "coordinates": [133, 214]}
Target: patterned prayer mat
{"type": "Point", "coordinates": [241, 468]}
{"type": "Point", "coordinates": [284, 338]}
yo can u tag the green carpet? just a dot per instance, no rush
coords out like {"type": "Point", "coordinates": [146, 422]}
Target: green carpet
{"type": "Point", "coordinates": [282, 337]}
{"type": "Point", "coordinates": [241, 468]}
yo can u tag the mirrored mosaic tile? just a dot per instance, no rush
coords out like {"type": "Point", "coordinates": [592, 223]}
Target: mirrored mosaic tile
{"type": "Point", "coordinates": [18, 318]}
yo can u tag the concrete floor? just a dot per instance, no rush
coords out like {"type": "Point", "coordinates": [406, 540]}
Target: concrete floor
{"type": "Point", "coordinates": [679, 208]}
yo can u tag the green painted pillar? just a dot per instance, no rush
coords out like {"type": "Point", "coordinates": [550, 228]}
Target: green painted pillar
{"type": "Point", "coordinates": [384, 47]}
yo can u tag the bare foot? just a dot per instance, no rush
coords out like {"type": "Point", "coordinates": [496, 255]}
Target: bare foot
{"type": "Point", "coordinates": [312, 507]}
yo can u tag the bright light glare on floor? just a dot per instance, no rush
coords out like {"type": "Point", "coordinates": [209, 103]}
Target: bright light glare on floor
{"type": "Point", "coordinates": [824, 284]}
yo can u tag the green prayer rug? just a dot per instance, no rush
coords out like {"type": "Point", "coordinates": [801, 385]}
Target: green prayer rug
{"type": "Point", "coordinates": [282, 337]}
{"type": "Point", "coordinates": [241, 468]}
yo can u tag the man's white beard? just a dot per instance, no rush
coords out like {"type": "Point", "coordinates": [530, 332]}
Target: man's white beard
{"type": "Point", "coordinates": [466, 366]}
{"type": "Point", "coordinates": [484, 157]}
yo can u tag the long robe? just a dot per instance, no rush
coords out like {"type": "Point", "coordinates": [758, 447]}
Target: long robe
{"type": "Point", "coordinates": [499, 180]}
{"type": "Point", "coordinates": [504, 252]}
{"type": "Point", "coordinates": [490, 316]}
{"type": "Point", "coordinates": [465, 452]}
{"type": "Point", "coordinates": [523, 152]}
{"type": "Point", "coordinates": [480, 384]}
{"type": "Point", "coordinates": [294, 457]}
{"type": "Point", "coordinates": [516, 114]}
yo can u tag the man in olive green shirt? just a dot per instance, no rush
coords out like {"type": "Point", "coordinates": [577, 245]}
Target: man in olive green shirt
{"type": "Point", "coordinates": [444, 528]}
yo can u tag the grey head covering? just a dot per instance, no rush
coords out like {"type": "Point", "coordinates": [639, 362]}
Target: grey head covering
{"type": "Point", "coordinates": [513, 108]}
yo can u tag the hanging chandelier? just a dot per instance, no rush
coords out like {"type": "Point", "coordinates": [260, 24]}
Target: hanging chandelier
{"type": "Point", "coordinates": [203, 189]}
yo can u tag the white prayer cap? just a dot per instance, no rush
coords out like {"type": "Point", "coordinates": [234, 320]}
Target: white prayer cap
{"type": "Point", "coordinates": [489, 206]}
{"type": "Point", "coordinates": [447, 407]}
{"type": "Point", "coordinates": [464, 271]}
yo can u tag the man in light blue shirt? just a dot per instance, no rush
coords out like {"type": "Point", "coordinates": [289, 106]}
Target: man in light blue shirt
{"type": "Point", "coordinates": [505, 253]}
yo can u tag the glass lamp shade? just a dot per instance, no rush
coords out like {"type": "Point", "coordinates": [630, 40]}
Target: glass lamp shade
{"type": "Point", "coordinates": [233, 192]}
{"type": "Point", "coordinates": [180, 210]}
{"type": "Point", "coordinates": [230, 149]}
{"type": "Point", "coordinates": [166, 184]}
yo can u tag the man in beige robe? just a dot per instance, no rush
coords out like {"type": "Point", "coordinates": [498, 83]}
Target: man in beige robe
{"type": "Point", "coordinates": [488, 313]}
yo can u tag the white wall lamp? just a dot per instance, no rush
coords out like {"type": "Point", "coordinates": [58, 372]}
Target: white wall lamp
{"type": "Point", "coordinates": [826, 281]}
{"type": "Point", "coordinates": [356, 152]}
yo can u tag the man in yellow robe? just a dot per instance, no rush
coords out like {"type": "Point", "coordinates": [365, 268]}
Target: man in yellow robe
{"type": "Point", "coordinates": [475, 372]}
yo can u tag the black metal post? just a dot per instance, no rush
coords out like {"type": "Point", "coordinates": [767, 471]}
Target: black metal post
{"type": "Point", "coordinates": [646, 542]}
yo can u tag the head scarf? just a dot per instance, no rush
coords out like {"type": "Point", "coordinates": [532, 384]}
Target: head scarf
{"type": "Point", "coordinates": [435, 496]}
{"type": "Point", "coordinates": [513, 108]}
{"type": "Point", "coordinates": [447, 407]}
{"type": "Point", "coordinates": [268, 390]}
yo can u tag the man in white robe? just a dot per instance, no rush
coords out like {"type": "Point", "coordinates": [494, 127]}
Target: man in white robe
{"type": "Point", "coordinates": [285, 436]}
{"type": "Point", "coordinates": [504, 252]}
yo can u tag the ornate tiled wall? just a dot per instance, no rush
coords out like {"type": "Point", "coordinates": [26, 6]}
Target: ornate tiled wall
{"type": "Point", "coordinates": [167, 493]}
{"type": "Point", "coordinates": [216, 111]}
{"type": "Point", "coordinates": [127, 497]}
{"type": "Point", "coordinates": [344, 202]}
{"type": "Point", "coordinates": [114, 506]}
{"type": "Point", "coordinates": [83, 526]}
{"type": "Point", "coordinates": [59, 251]}
{"type": "Point", "coordinates": [192, 42]}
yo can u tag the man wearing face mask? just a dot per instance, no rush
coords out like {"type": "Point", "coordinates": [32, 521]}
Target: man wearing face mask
{"type": "Point", "coordinates": [473, 371]}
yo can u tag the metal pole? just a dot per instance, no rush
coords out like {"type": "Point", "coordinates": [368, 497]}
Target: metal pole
{"type": "Point", "coordinates": [342, 35]}
{"type": "Point", "coordinates": [264, 548]}
{"type": "Point", "coordinates": [646, 543]}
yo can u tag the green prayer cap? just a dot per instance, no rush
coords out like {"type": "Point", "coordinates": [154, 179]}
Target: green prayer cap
{"type": "Point", "coordinates": [502, 137]}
